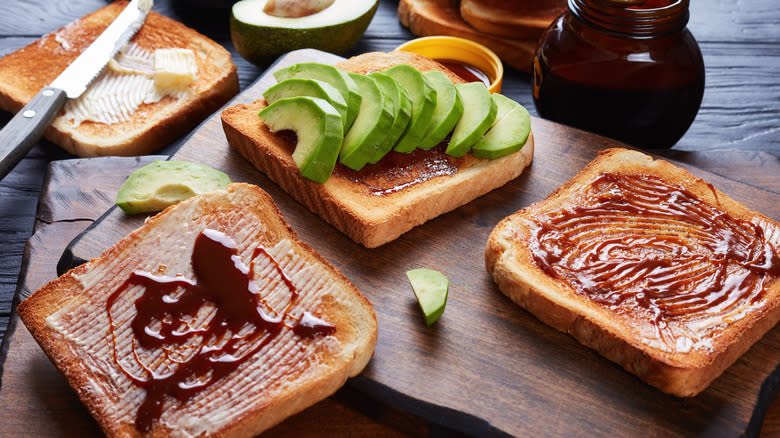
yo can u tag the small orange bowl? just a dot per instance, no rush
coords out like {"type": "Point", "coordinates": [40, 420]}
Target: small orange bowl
{"type": "Point", "coordinates": [460, 50]}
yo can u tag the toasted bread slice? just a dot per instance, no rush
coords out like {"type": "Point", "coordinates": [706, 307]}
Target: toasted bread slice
{"type": "Point", "coordinates": [82, 320]}
{"type": "Point", "coordinates": [384, 200]}
{"type": "Point", "coordinates": [510, 20]}
{"type": "Point", "coordinates": [152, 125]}
{"type": "Point", "coordinates": [650, 266]}
{"type": "Point", "coordinates": [442, 17]}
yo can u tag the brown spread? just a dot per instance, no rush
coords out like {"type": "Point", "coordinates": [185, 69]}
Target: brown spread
{"type": "Point", "coordinates": [641, 246]}
{"type": "Point", "coordinates": [396, 171]}
{"type": "Point", "coordinates": [207, 326]}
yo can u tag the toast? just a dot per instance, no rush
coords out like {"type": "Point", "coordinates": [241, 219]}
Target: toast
{"type": "Point", "coordinates": [157, 120]}
{"type": "Point", "coordinates": [443, 17]}
{"type": "Point", "coordinates": [303, 332]}
{"type": "Point", "coordinates": [497, 17]}
{"type": "Point", "coordinates": [380, 202]}
{"type": "Point", "coordinates": [650, 266]}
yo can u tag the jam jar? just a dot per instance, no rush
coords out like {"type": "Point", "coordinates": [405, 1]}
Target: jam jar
{"type": "Point", "coordinates": [625, 69]}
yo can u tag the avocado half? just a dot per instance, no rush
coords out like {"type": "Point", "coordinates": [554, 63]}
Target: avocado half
{"type": "Point", "coordinates": [261, 38]}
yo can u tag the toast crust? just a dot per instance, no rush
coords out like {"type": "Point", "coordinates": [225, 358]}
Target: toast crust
{"type": "Point", "coordinates": [679, 369]}
{"type": "Point", "coordinates": [24, 72]}
{"type": "Point", "coordinates": [312, 376]}
{"type": "Point", "coordinates": [377, 204]}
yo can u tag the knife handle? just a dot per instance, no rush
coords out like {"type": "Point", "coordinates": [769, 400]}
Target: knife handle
{"type": "Point", "coordinates": [27, 126]}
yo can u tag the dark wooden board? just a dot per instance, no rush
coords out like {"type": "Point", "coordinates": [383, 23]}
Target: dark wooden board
{"type": "Point", "coordinates": [35, 399]}
{"type": "Point", "coordinates": [487, 366]}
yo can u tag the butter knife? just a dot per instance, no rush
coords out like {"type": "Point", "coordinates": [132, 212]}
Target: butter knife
{"type": "Point", "coordinates": [28, 125]}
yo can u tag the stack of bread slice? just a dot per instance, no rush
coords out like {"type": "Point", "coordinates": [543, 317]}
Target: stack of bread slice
{"type": "Point", "coordinates": [511, 29]}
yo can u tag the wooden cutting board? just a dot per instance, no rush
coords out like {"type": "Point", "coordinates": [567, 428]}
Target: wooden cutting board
{"type": "Point", "coordinates": [488, 367]}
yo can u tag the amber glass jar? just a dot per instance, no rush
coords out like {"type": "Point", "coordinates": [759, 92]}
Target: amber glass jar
{"type": "Point", "coordinates": [634, 73]}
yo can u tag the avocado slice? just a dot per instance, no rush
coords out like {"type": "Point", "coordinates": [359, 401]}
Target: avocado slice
{"type": "Point", "coordinates": [507, 136]}
{"type": "Point", "coordinates": [308, 87]}
{"type": "Point", "coordinates": [423, 98]}
{"type": "Point", "coordinates": [431, 289]}
{"type": "Point", "coordinates": [503, 106]}
{"type": "Point", "coordinates": [261, 38]}
{"type": "Point", "coordinates": [333, 76]}
{"type": "Point", "coordinates": [319, 129]}
{"type": "Point", "coordinates": [163, 183]}
{"type": "Point", "coordinates": [401, 115]}
{"type": "Point", "coordinates": [448, 111]}
{"type": "Point", "coordinates": [479, 113]}
{"type": "Point", "coordinates": [367, 135]}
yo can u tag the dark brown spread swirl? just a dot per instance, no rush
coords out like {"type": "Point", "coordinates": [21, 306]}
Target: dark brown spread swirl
{"type": "Point", "coordinates": [397, 171]}
{"type": "Point", "coordinates": [206, 327]}
{"type": "Point", "coordinates": [639, 245]}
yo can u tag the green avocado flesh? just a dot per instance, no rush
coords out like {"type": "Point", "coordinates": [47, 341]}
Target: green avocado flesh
{"type": "Point", "coordinates": [261, 38]}
{"type": "Point", "coordinates": [319, 129]}
{"type": "Point", "coordinates": [402, 112]}
{"type": "Point", "coordinates": [331, 75]}
{"type": "Point", "coordinates": [431, 289]}
{"type": "Point", "coordinates": [423, 98]}
{"type": "Point", "coordinates": [503, 106]}
{"type": "Point", "coordinates": [308, 87]}
{"type": "Point", "coordinates": [507, 136]}
{"type": "Point", "coordinates": [479, 113]}
{"type": "Point", "coordinates": [448, 111]}
{"type": "Point", "coordinates": [367, 136]}
{"type": "Point", "coordinates": [163, 183]}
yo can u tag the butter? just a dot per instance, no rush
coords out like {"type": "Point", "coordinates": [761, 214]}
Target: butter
{"type": "Point", "coordinates": [133, 78]}
{"type": "Point", "coordinates": [174, 69]}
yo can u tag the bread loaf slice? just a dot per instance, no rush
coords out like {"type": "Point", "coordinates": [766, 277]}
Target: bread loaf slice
{"type": "Point", "coordinates": [647, 264]}
{"type": "Point", "coordinates": [85, 322]}
{"type": "Point", "coordinates": [497, 17]}
{"type": "Point", "coordinates": [384, 200]}
{"type": "Point", "coordinates": [442, 17]}
{"type": "Point", "coordinates": [152, 125]}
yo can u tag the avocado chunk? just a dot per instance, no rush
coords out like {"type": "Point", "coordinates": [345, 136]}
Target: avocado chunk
{"type": "Point", "coordinates": [431, 289]}
{"type": "Point", "coordinates": [163, 183]}
{"type": "Point", "coordinates": [423, 103]}
{"type": "Point", "coordinates": [507, 136]}
{"type": "Point", "coordinates": [479, 113]}
{"type": "Point", "coordinates": [319, 129]}
{"type": "Point", "coordinates": [331, 75]}
{"type": "Point", "coordinates": [448, 109]}
{"type": "Point", "coordinates": [308, 87]}
{"type": "Point", "coordinates": [260, 37]}
{"type": "Point", "coordinates": [401, 114]}
{"type": "Point", "coordinates": [366, 137]}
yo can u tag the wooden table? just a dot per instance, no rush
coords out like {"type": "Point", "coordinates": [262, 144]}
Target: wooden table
{"type": "Point", "coordinates": [738, 118]}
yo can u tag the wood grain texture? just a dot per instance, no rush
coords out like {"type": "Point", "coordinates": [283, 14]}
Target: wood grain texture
{"type": "Point", "coordinates": [739, 40]}
{"type": "Point", "coordinates": [537, 381]}
{"type": "Point", "coordinates": [36, 399]}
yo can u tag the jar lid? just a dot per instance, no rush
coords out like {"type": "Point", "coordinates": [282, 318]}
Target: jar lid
{"type": "Point", "coordinates": [460, 50]}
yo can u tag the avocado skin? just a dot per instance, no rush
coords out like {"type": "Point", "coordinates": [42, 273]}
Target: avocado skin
{"type": "Point", "coordinates": [261, 45]}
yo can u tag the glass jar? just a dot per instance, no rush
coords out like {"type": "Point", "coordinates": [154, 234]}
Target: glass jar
{"type": "Point", "coordinates": [626, 69]}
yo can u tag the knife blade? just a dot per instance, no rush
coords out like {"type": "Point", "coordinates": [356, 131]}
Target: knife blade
{"type": "Point", "coordinates": [28, 125]}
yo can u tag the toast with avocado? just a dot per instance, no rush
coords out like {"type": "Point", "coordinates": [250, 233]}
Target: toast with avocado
{"type": "Point", "coordinates": [382, 200]}
{"type": "Point", "coordinates": [211, 319]}
{"type": "Point", "coordinates": [650, 266]}
{"type": "Point", "coordinates": [162, 84]}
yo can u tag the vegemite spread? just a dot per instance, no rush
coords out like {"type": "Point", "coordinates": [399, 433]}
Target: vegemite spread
{"type": "Point", "coordinates": [640, 246]}
{"type": "Point", "coordinates": [207, 326]}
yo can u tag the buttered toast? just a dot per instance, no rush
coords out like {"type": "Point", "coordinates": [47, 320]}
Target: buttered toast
{"type": "Point", "coordinates": [212, 308]}
{"type": "Point", "coordinates": [647, 264]}
{"type": "Point", "coordinates": [381, 201]}
{"type": "Point", "coordinates": [127, 110]}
